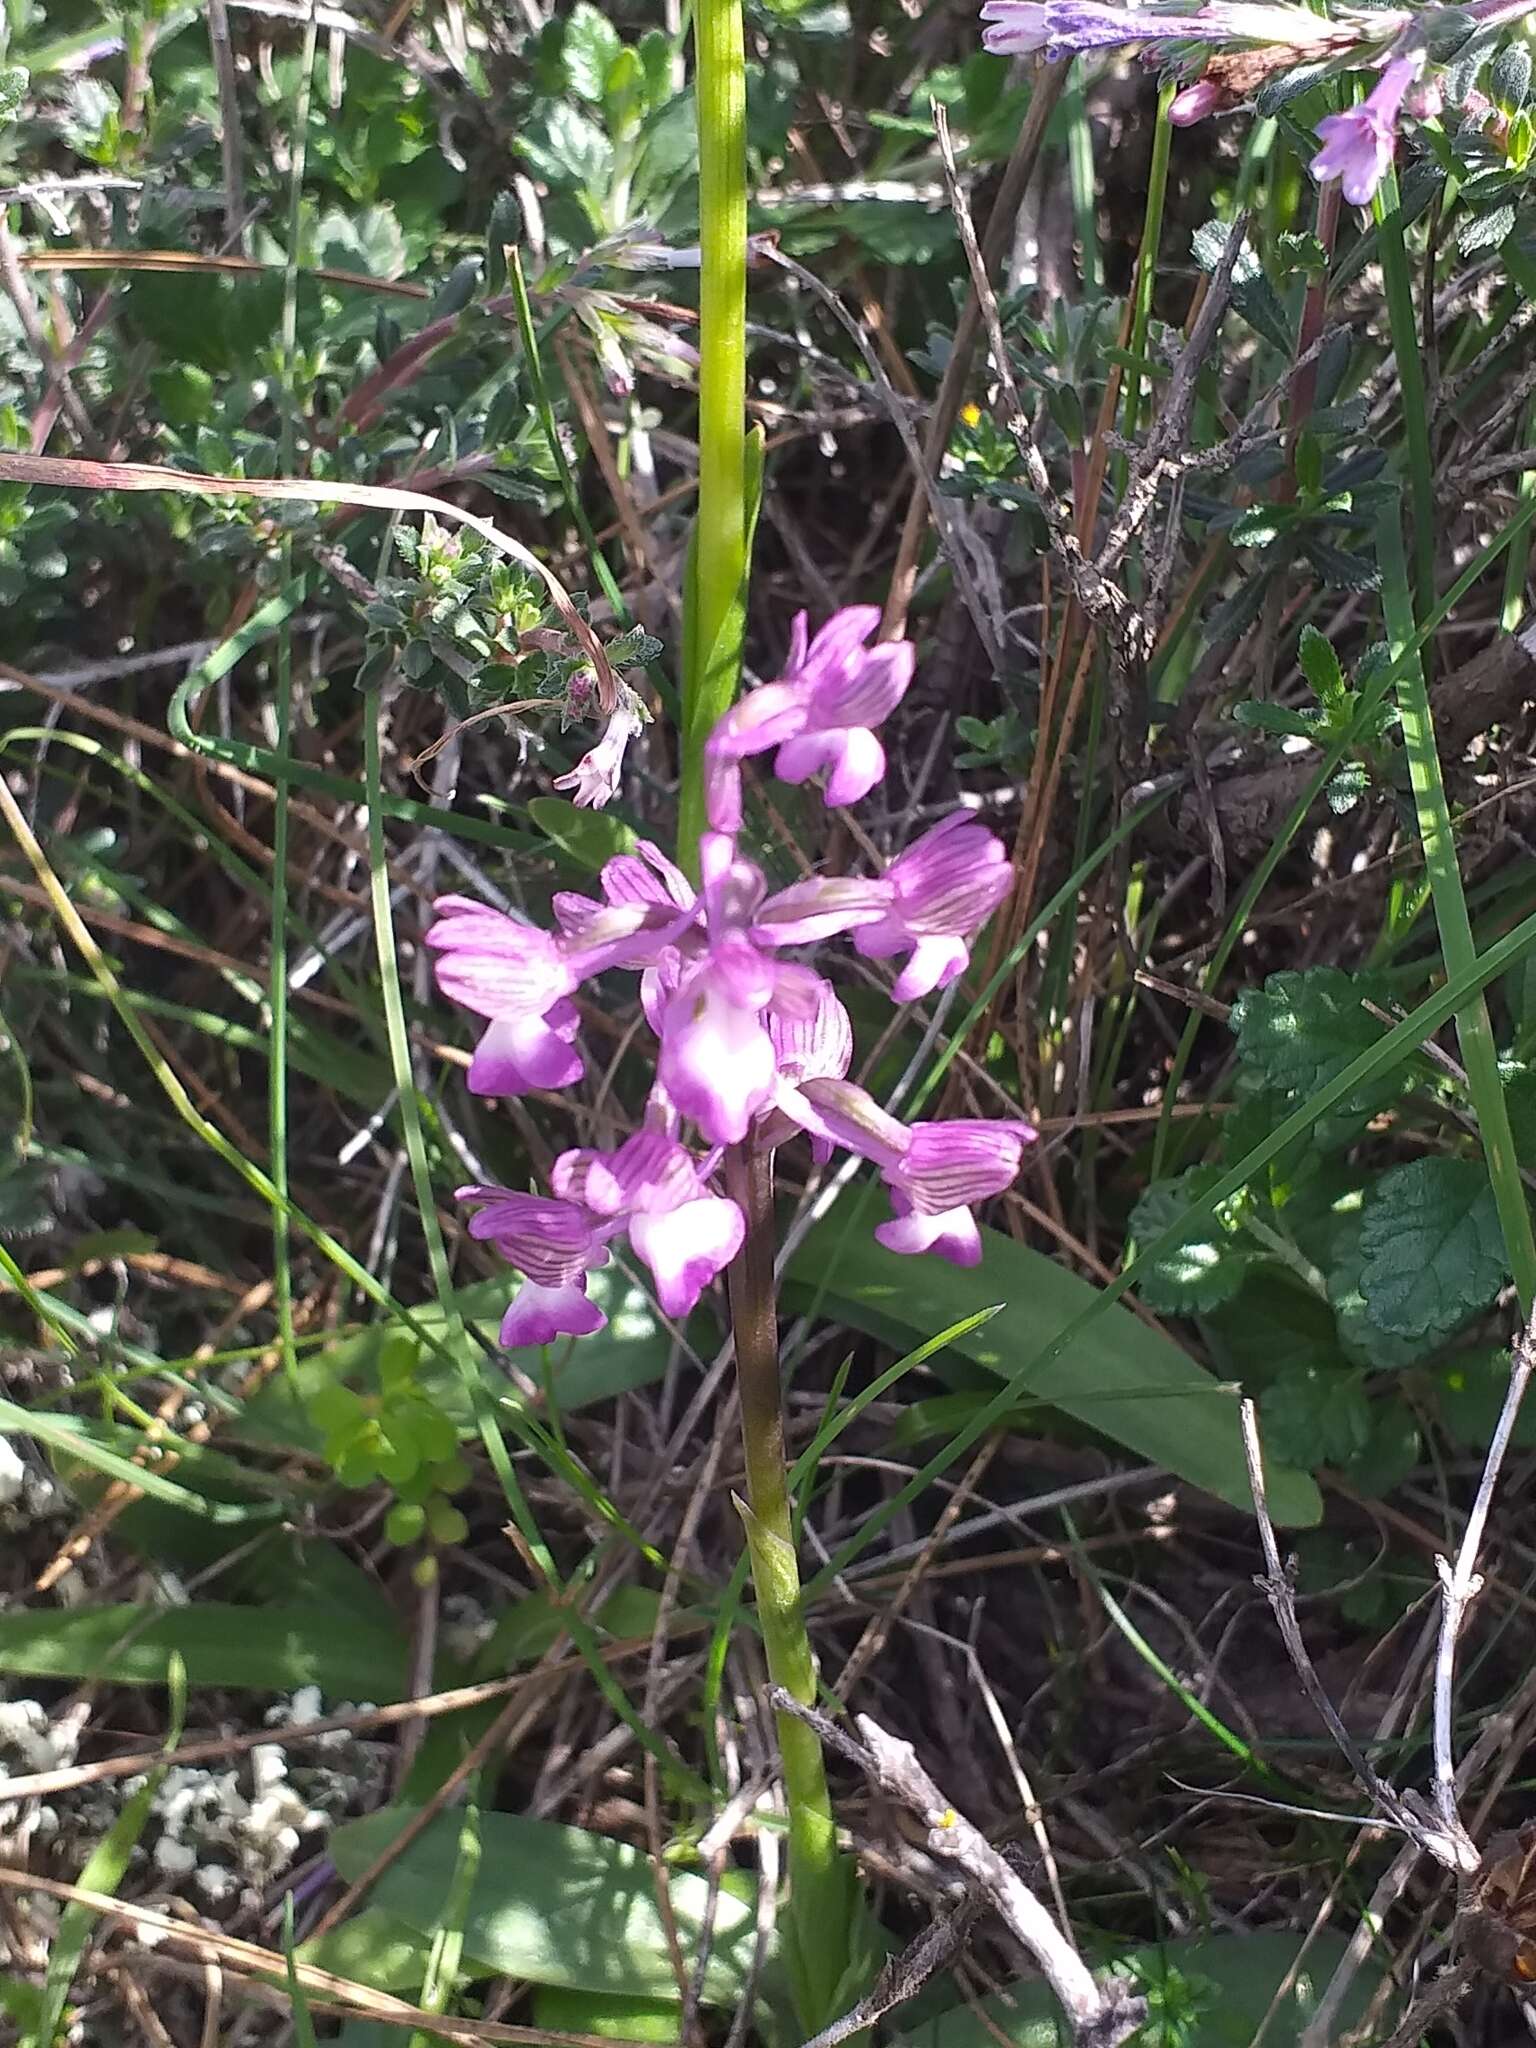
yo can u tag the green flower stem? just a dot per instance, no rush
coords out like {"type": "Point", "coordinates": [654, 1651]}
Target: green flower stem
{"type": "Point", "coordinates": [818, 1903]}
{"type": "Point", "coordinates": [1474, 1031]}
{"type": "Point", "coordinates": [1410, 370]}
{"type": "Point", "coordinates": [716, 597]}
{"type": "Point", "coordinates": [1146, 263]}
{"type": "Point", "coordinates": [1518, 561]}
{"type": "Point", "coordinates": [277, 970]}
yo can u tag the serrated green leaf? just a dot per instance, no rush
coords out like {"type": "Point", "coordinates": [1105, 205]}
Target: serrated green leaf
{"type": "Point", "coordinates": [1252, 293]}
{"type": "Point", "coordinates": [1346, 788]}
{"type": "Point", "coordinates": [1340, 569]}
{"type": "Point", "coordinates": [1315, 1415]}
{"type": "Point", "coordinates": [1432, 1251]}
{"type": "Point", "coordinates": [1509, 77]}
{"type": "Point", "coordinates": [1256, 526]}
{"type": "Point", "coordinates": [1210, 1265]}
{"type": "Point", "coordinates": [591, 45]}
{"type": "Point", "coordinates": [1276, 719]}
{"type": "Point", "coordinates": [1481, 231]}
{"type": "Point", "coordinates": [1301, 1030]}
{"type": "Point", "coordinates": [1320, 666]}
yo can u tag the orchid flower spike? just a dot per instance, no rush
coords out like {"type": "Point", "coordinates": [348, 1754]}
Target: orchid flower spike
{"type": "Point", "coordinates": [753, 1043]}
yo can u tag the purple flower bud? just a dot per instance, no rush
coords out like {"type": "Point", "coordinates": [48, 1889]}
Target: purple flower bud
{"type": "Point", "coordinates": [945, 886]}
{"type": "Point", "coordinates": [1195, 102]}
{"type": "Point", "coordinates": [1358, 145]}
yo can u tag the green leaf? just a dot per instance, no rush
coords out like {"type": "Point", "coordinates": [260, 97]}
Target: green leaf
{"type": "Point", "coordinates": [1276, 718]}
{"type": "Point", "coordinates": [110, 1450]}
{"type": "Point", "coordinates": [1275, 1325]}
{"type": "Point", "coordinates": [265, 1649]}
{"type": "Point", "coordinates": [586, 837]}
{"type": "Point", "coordinates": [1301, 1030]}
{"type": "Point", "coordinates": [1316, 1415]}
{"type": "Point", "coordinates": [1211, 1992]}
{"type": "Point", "coordinates": [370, 241]}
{"type": "Point", "coordinates": [26, 1202]}
{"type": "Point", "coordinates": [1470, 1390]}
{"type": "Point", "coordinates": [1257, 526]}
{"type": "Point", "coordinates": [1432, 1250]}
{"type": "Point", "coordinates": [1210, 1265]}
{"type": "Point", "coordinates": [565, 2011]}
{"type": "Point", "coordinates": [1320, 666]}
{"type": "Point", "coordinates": [503, 231]}
{"type": "Point", "coordinates": [1393, 1449]}
{"type": "Point", "coordinates": [1252, 293]}
{"type": "Point", "coordinates": [1118, 1376]}
{"type": "Point", "coordinates": [374, 1948]}
{"type": "Point", "coordinates": [591, 45]}
{"type": "Point", "coordinates": [1479, 231]}
{"type": "Point", "coordinates": [551, 1905]}
{"type": "Point", "coordinates": [13, 90]}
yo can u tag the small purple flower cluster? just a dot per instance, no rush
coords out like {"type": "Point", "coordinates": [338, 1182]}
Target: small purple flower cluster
{"type": "Point", "coordinates": [1246, 42]}
{"type": "Point", "coordinates": [750, 1042]}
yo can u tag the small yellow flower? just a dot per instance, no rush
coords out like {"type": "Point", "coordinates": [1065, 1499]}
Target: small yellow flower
{"type": "Point", "coordinates": [971, 414]}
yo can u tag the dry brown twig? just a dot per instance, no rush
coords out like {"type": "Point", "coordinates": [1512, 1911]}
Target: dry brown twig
{"type": "Point", "coordinates": [942, 510]}
{"type": "Point", "coordinates": [1102, 2012]}
{"type": "Point", "coordinates": [1048, 84]}
{"type": "Point", "coordinates": [1100, 600]}
{"type": "Point", "coordinates": [1433, 1827]}
{"type": "Point", "coordinates": [1449, 1845]}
